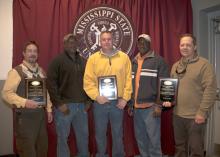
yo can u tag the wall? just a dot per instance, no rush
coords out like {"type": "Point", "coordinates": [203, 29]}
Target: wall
{"type": "Point", "coordinates": [6, 139]}
{"type": "Point", "coordinates": [201, 9]}
{"type": "Point", "coordinates": [6, 37]}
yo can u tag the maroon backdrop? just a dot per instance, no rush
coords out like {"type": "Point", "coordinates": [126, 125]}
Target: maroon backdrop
{"type": "Point", "coordinates": [47, 21]}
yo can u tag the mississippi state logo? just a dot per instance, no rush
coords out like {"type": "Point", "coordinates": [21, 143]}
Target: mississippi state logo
{"type": "Point", "coordinates": [103, 18]}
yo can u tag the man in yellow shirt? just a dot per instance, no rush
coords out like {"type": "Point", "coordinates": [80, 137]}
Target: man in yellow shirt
{"type": "Point", "coordinates": [30, 119]}
{"type": "Point", "coordinates": [108, 67]}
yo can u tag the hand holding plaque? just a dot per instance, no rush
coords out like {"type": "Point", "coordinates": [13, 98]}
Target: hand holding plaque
{"type": "Point", "coordinates": [108, 87]}
{"type": "Point", "coordinates": [36, 90]}
{"type": "Point", "coordinates": [168, 90]}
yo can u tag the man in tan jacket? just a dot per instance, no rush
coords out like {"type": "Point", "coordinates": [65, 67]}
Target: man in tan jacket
{"type": "Point", "coordinates": [30, 118]}
{"type": "Point", "coordinates": [196, 95]}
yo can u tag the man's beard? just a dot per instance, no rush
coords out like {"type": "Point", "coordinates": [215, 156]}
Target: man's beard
{"type": "Point", "coordinates": [32, 60]}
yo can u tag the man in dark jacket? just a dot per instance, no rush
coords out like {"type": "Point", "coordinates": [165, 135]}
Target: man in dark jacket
{"type": "Point", "coordinates": [147, 68]}
{"type": "Point", "coordinates": [65, 86]}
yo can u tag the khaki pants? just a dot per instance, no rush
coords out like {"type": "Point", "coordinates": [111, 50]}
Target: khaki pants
{"type": "Point", "coordinates": [189, 137]}
{"type": "Point", "coordinates": [31, 133]}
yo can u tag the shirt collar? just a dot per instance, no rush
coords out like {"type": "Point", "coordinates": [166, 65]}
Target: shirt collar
{"type": "Point", "coordinates": [147, 55]}
{"type": "Point", "coordinates": [29, 66]}
{"type": "Point", "coordinates": [114, 52]}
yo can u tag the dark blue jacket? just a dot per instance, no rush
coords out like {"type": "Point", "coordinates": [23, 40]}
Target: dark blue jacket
{"type": "Point", "coordinates": [152, 69]}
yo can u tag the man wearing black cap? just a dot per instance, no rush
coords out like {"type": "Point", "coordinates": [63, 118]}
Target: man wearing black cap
{"type": "Point", "coordinates": [147, 68]}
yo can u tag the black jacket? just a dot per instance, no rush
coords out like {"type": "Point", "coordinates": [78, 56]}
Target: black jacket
{"type": "Point", "coordinates": [65, 79]}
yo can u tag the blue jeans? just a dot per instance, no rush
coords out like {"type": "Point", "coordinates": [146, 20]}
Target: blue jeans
{"type": "Point", "coordinates": [147, 132]}
{"type": "Point", "coordinates": [79, 120]}
{"type": "Point", "coordinates": [102, 115]}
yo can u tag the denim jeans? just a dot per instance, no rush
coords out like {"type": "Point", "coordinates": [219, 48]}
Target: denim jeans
{"type": "Point", "coordinates": [147, 132]}
{"type": "Point", "coordinates": [79, 120]}
{"type": "Point", "coordinates": [102, 115]}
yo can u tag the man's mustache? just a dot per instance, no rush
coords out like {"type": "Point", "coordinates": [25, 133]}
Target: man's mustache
{"type": "Point", "coordinates": [33, 56]}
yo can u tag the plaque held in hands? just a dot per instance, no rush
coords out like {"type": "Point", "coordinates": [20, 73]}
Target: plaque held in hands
{"type": "Point", "coordinates": [168, 90]}
{"type": "Point", "coordinates": [108, 87]}
{"type": "Point", "coordinates": [36, 90]}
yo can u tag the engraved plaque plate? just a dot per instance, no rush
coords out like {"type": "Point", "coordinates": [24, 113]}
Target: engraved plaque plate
{"type": "Point", "coordinates": [108, 87]}
{"type": "Point", "coordinates": [168, 89]}
{"type": "Point", "coordinates": [36, 90]}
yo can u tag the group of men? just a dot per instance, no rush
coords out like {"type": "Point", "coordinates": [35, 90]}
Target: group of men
{"type": "Point", "coordinates": [74, 85]}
